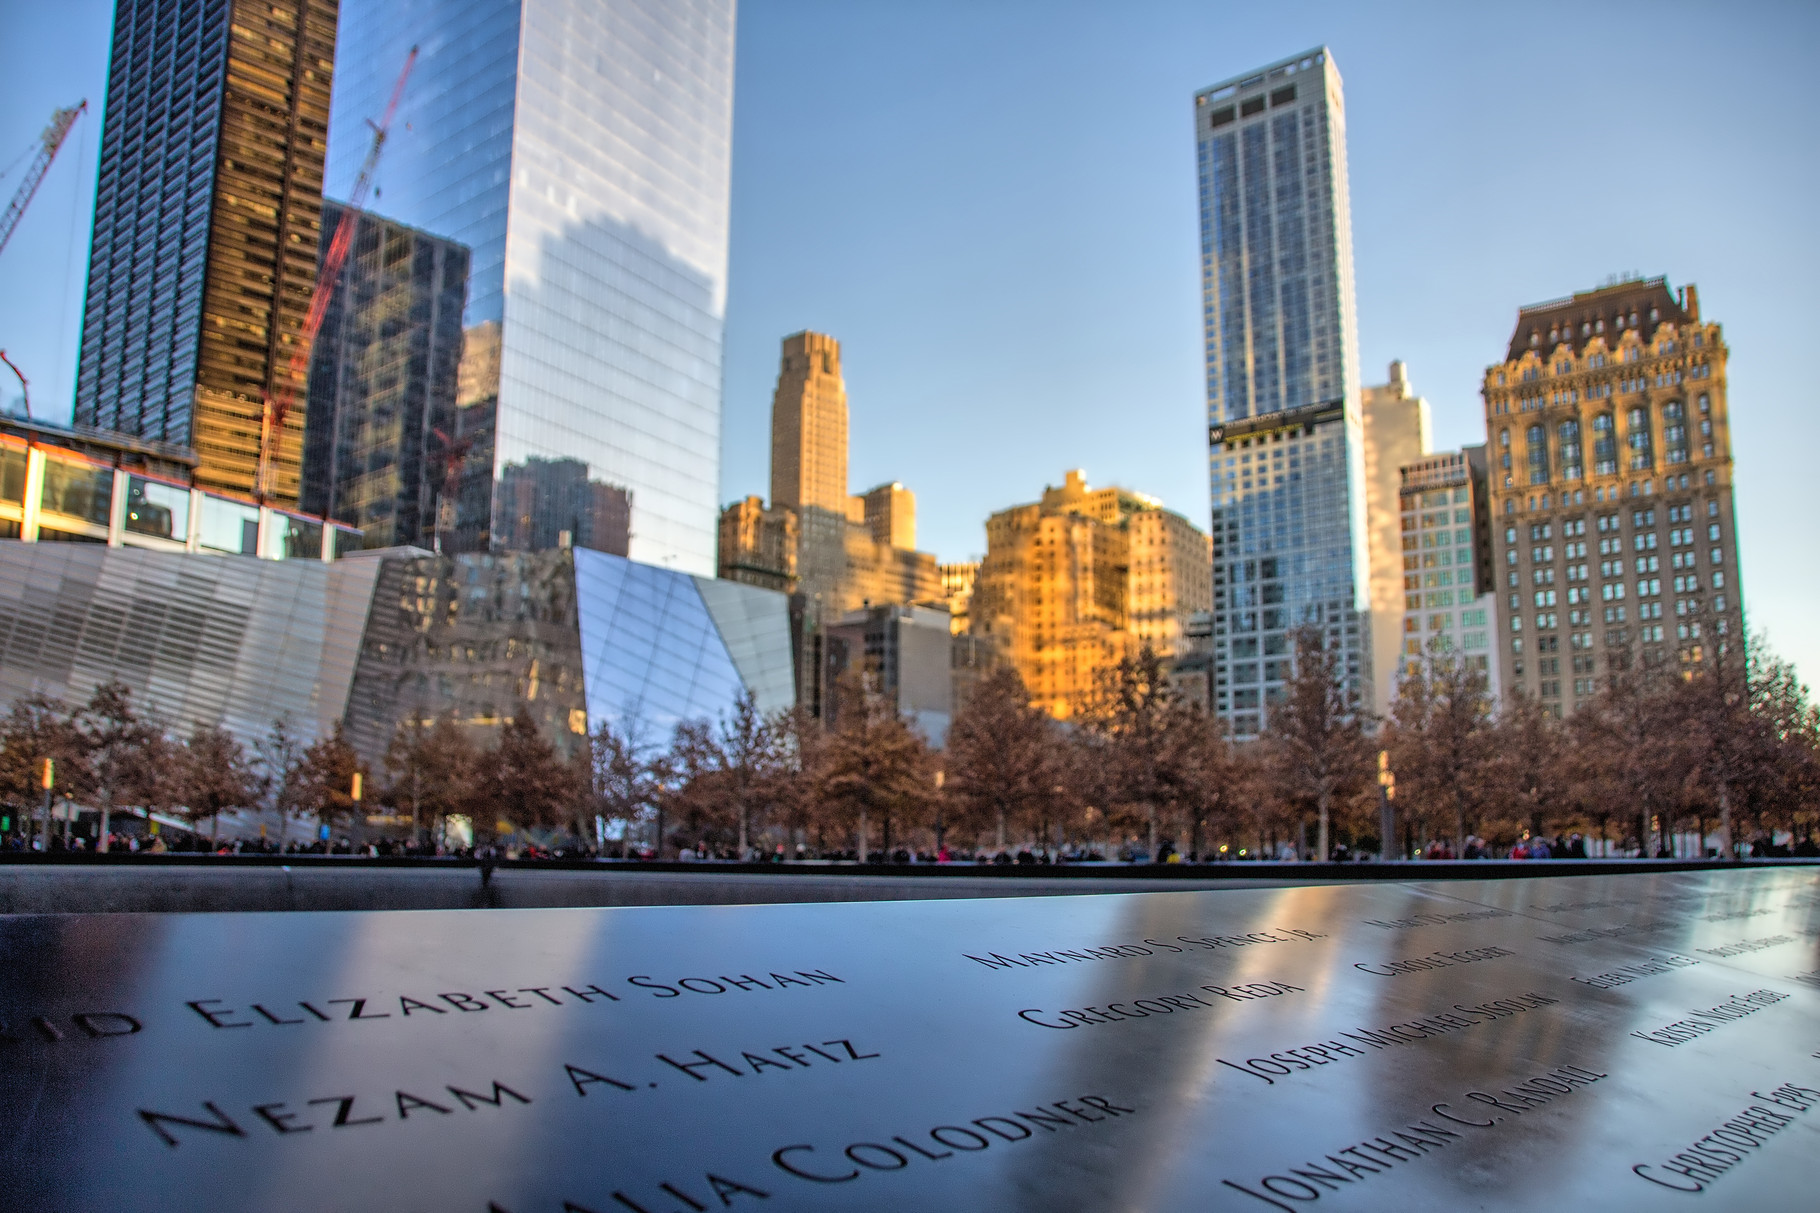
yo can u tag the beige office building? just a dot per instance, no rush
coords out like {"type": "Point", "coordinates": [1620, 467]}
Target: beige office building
{"type": "Point", "coordinates": [1611, 487]}
{"type": "Point", "coordinates": [809, 426]}
{"type": "Point", "coordinates": [1078, 580]}
{"type": "Point", "coordinates": [841, 552]}
{"type": "Point", "coordinates": [957, 591]}
{"type": "Point", "coordinates": [1396, 427]}
{"type": "Point", "coordinates": [889, 512]}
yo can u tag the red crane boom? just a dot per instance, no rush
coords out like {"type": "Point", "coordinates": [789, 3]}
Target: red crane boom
{"type": "Point", "coordinates": [278, 403]}
{"type": "Point", "coordinates": [51, 140]}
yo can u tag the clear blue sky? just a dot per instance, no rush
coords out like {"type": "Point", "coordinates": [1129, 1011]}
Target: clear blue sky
{"type": "Point", "coordinates": [992, 205]}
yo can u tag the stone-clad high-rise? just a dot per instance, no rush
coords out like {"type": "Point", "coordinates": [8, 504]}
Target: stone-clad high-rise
{"type": "Point", "coordinates": [207, 214]}
{"type": "Point", "coordinates": [1283, 405]}
{"type": "Point", "coordinates": [809, 426]}
{"type": "Point", "coordinates": [1611, 490]}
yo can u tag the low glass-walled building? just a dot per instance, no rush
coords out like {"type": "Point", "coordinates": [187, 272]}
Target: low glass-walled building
{"type": "Point", "coordinates": [63, 485]}
{"type": "Point", "coordinates": [576, 638]}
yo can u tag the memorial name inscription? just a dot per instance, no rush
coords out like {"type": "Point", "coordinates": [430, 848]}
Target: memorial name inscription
{"type": "Point", "coordinates": [1698, 1023]}
{"type": "Point", "coordinates": [522, 998]}
{"type": "Point", "coordinates": [1468, 1044]}
{"type": "Point", "coordinates": [1414, 1031]}
{"type": "Point", "coordinates": [1353, 1164]}
{"type": "Point", "coordinates": [1150, 947]}
{"type": "Point", "coordinates": [1725, 1147]}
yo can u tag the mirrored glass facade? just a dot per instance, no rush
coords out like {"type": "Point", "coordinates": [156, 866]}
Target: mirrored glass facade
{"type": "Point", "coordinates": [380, 450]}
{"type": "Point", "coordinates": [581, 149]}
{"type": "Point", "coordinates": [1283, 405]}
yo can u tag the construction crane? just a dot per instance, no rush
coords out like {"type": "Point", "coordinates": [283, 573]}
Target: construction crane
{"type": "Point", "coordinates": [284, 393]}
{"type": "Point", "coordinates": [24, 387]}
{"type": "Point", "coordinates": [50, 140]}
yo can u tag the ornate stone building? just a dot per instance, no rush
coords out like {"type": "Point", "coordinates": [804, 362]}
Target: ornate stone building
{"type": "Point", "coordinates": [1611, 485]}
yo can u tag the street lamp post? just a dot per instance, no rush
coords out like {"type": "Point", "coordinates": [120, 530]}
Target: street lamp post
{"type": "Point", "coordinates": [48, 782]}
{"type": "Point", "coordinates": [1387, 817]}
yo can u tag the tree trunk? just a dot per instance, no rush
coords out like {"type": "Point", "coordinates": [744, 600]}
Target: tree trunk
{"type": "Point", "coordinates": [862, 836]}
{"type": "Point", "coordinates": [1322, 841]}
{"type": "Point", "coordinates": [215, 831]}
{"type": "Point", "coordinates": [1001, 827]}
{"type": "Point", "coordinates": [107, 806]}
{"type": "Point", "coordinates": [744, 819]}
{"type": "Point", "coordinates": [1727, 851]}
{"type": "Point", "coordinates": [1150, 811]}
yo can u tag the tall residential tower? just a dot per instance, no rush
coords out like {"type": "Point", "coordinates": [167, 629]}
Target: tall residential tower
{"type": "Point", "coordinates": [581, 149]}
{"type": "Point", "coordinates": [1283, 406]}
{"type": "Point", "coordinates": [207, 215]}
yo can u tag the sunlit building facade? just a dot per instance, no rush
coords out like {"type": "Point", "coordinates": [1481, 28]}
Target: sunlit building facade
{"type": "Point", "coordinates": [1611, 483]}
{"type": "Point", "coordinates": [1396, 427]}
{"type": "Point", "coordinates": [1073, 583]}
{"type": "Point", "coordinates": [582, 153]}
{"type": "Point", "coordinates": [207, 211]}
{"type": "Point", "coordinates": [809, 426]}
{"type": "Point", "coordinates": [1283, 405]}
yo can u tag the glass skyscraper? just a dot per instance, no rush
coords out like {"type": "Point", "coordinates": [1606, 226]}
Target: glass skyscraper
{"type": "Point", "coordinates": [581, 149]}
{"type": "Point", "coordinates": [378, 448]}
{"type": "Point", "coordinates": [1283, 404]}
{"type": "Point", "coordinates": [206, 218]}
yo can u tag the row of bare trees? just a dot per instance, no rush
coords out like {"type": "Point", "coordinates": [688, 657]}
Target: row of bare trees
{"type": "Point", "coordinates": [1732, 749]}
{"type": "Point", "coordinates": [110, 756]}
{"type": "Point", "coordinates": [1728, 748]}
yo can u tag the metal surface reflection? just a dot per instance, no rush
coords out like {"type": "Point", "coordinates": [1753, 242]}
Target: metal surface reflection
{"type": "Point", "coordinates": [1619, 1041]}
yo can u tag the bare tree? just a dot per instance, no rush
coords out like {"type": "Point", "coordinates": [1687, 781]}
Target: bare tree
{"type": "Point", "coordinates": [737, 767]}
{"type": "Point", "coordinates": [214, 775]}
{"type": "Point", "coordinates": [1439, 740]}
{"type": "Point", "coordinates": [433, 769]}
{"type": "Point", "coordinates": [128, 759]}
{"type": "Point", "coordinates": [1317, 744]}
{"type": "Point", "coordinates": [1130, 712]}
{"type": "Point", "coordinates": [323, 782]}
{"type": "Point", "coordinates": [875, 768]}
{"type": "Point", "coordinates": [627, 774]}
{"type": "Point", "coordinates": [999, 764]}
